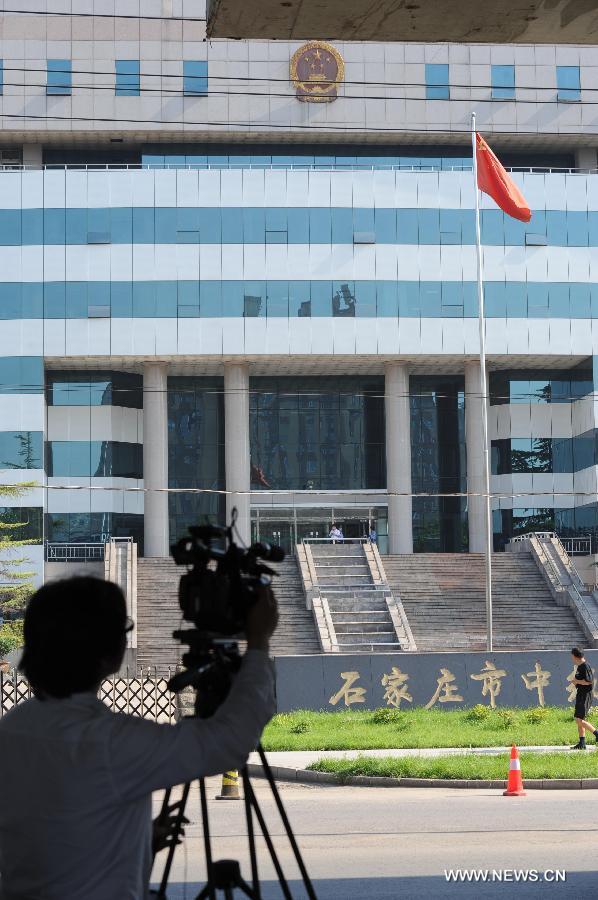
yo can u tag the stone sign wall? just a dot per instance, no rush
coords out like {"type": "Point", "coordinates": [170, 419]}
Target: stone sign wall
{"type": "Point", "coordinates": [443, 680]}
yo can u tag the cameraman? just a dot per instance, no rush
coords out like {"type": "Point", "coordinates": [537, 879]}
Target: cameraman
{"type": "Point", "coordinates": [77, 779]}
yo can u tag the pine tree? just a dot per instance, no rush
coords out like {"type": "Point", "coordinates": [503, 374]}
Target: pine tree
{"type": "Point", "coordinates": [16, 585]}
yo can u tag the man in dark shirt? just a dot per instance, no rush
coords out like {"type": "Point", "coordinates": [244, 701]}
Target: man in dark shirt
{"type": "Point", "coordinates": [584, 681]}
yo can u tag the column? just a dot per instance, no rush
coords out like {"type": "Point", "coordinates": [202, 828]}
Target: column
{"type": "Point", "coordinates": [586, 158]}
{"type": "Point", "coordinates": [236, 446]}
{"type": "Point", "coordinates": [155, 460]}
{"type": "Point", "coordinates": [32, 155]}
{"type": "Point", "coordinates": [476, 516]}
{"type": "Point", "coordinates": [398, 459]}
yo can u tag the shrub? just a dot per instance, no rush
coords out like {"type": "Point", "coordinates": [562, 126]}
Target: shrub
{"type": "Point", "coordinates": [11, 636]}
{"type": "Point", "coordinates": [478, 713]}
{"type": "Point", "coordinates": [505, 718]}
{"type": "Point", "coordinates": [536, 716]}
{"type": "Point", "coordinates": [299, 727]}
{"type": "Point", "coordinates": [385, 716]}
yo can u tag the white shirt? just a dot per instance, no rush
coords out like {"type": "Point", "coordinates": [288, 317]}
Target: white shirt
{"type": "Point", "coordinates": [76, 783]}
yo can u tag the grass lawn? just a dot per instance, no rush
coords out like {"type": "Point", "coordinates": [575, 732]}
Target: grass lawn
{"type": "Point", "coordinates": [533, 765]}
{"type": "Point", "coordinates": [390, 728]}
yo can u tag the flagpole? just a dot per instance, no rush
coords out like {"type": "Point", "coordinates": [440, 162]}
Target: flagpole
{"type": "Point", "coordinates": [484, 393]}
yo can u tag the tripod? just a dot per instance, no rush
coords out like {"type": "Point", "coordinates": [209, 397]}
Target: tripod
{"type": "Point", "coordinates": [213, 677]}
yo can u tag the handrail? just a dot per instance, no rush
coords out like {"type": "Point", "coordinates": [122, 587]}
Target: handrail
{"type": "Point", "coordinates": [300, 167]}
{"type": "Point", "coordinates": [329, 540]}
{"type": "Point", "coordinates": [64, 551]}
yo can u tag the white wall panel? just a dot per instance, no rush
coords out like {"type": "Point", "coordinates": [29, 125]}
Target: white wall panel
{"type": "Point", "coordinates": [143, 187]}
{"type": "Point", "coordinates": [210, 262]}
{"type": "Point", "coordinates": [366, 336]}
{"type": "Point", "coordinates": [54, 337]}
{"type": "Point", "coordinates": [275, 188]}
{"type": "Point", "coordinates": [453, 336]}
{"type": "Point", "coordinates": [363, 188]}
{"type": "Point", "coordinates": [344, 335]}
{"type": "Point", "coordinates": [539, 336]}
{"type": "Point", "coordinates": [300, 335]}
{"type": "Point", "coordinates": [410, 337]}
{"type": "Point", "coordinates": [431, 331]}
{"type": "Point", "coordinates": [165, 187]}
{"type": "Point", "coordinates": [341, 189]}
{"type": "Point", "coordinates": [121, 336]}
{"type": "Point", "coordinates": [254, 342]}
{"type": "Point", "coordinates": [166, 336]}
{"type": "Point", "coordinates": [521, 419]}
{"type": "Point", "coordinates": [10, 190]}
{"type": "Point", "coordinates": [388, 336]}
{"type": "Point", "coordinates": [322, 336]}
{"type": "Point", "coordinates": [32, 189]}
{"type": "Point", "coordinates": [76, 190]}
{"type": "Point", "coordinates": [54, 188]}
{"type": "Point", "coordinates": [297, 188]}
{"type": "Point", "coordinates": [187, 188]}
{"type": "Point", "coordinates": [253, 187]}
{"type": "Point", "coordinates": [208, 186]}
{"type": "Point", "coordinates": [21, 337]}
{"type": "Point", "coordinates": [22, 412]}
{"type": "Point", "coordinates": [88, 337]}
{"type": "Point", "coordinates": [120, 188]}
{"type": "Point", "coordinates": [278, 335]}
{"type": "Point", "coordinates": [210, 336]}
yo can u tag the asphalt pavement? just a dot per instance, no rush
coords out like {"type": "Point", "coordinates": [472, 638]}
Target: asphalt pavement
{"type": "Point", "coordinates": [374, 844]}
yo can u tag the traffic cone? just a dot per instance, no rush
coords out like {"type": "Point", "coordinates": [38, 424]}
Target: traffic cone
{"type": "Point", "coordinates": [230, 786]}
{"type": "Point", "coordinates": [515, 782]}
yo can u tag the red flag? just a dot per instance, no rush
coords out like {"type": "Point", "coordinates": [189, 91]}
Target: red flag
{"type": "Point", "coordinates": [494, 181]}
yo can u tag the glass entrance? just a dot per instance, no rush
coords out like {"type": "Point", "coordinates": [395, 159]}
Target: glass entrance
{"type": "Point", "coordinates": [288, 527]}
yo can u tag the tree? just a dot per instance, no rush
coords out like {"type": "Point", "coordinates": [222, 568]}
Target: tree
{"type": "Point", "coordinates": [11, 636]}
{"type": "Point", "coordinates": [16, 585]}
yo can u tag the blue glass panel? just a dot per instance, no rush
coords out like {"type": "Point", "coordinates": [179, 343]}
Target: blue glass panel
{"type": "Point", "coordinates": [254, 298]}
{"type": "Point", "coordinates": [76, 226]}
{"type": "Point", "coordinates": [320, 225]}
{"type": "Point", "coordinates": [54, 226]}
{"type": "Point", "coordinates": [232, 298]}
{"type": "Point", "coordinates": [144, 299]}
{"type": "Point", "coordinates": [558, 296]}
{"type": "Point", "coordinates": [516, 299]}
{"type": "Point", "coordinates": [363, 219]}
{"type": "Point", "coordinates": [495, 300]}
{"type": "Point", "coordinates": [321, 298]}
{"type": "Point", "coordinates": [121, 225]}
{"type": "Point", "coordinates": [430, 298]}
{"type": "Point", "coordinates": [556, 227]}
{"type": "Point", "coordinates": [406, 226]}
{"type": "Point", "coordinates": [121, 299]}
{"type": "Point", "coordinates": [11, 301]}
{"type": "Point", "coordinates": [298, 226]}
{"type": "Point", "coordinates": [387, 299]}
{"type": "Point", "coordinates": [437, 81]}
{"type": "Point", "coordinates": [300, 298]}
{"type": "Point", "coordinates": [343, 299]}
{"type": "Point", "coordinates": [21, 449]}
{"type": "Point", "coordinates": [166, 226]}
{"type": "Point", "coordinates": [98, 293]}
{"type": "Point", "coordinates": [10, 227]}
{"type": "Point", "coordinates": [54, 300]}
{"type": "Point", "coordinates": [76, 299]}
{"type": "Point", "coordinates": [195, 78]}
{"type": "Point", "coordinates": [21, 374]}
{"type": "Point", "coordinates": [59, 76]}
{"type": "Point", "coordinates": [577, 229]}
{"type": "Point", "coordinates": [568, 83]}
{"type": "Point", "coordinates": [32, 226]}
{"type": "Point", "coordinates": [503, 82]}
{"type": "Point", "coordinates": [232, 225]}
{"type": "Point", "coordinates": [365, 298]}
{"type": "Point", "coordinates": [127, 78]}
{"type": "Point", "coordinates": [143, 225]}
{"type": "Point", "coordinates": [33, 300]}
{"type": "Point", "coordinates": [429, 226]}
{"type": "Point", "coordinates": [278, 298]}
{"type": "Point", "coordinates": [385, 226]}
{"type": "Point", "coordinates": [166, 299]}
{"type": "Point", "coordinates": [254, 225]}
{"type": "Point", "coordinates": [210, 299]}
{"type": "Point", "coordinates": [537, 300]}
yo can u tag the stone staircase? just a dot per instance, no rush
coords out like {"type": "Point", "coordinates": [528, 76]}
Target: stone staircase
{"type": "Point", "coordinates": [444, 598]}
{"type": "Point", "coordinates": [158, 613]}
{"type": "Point", "coordinates": [358, 609]}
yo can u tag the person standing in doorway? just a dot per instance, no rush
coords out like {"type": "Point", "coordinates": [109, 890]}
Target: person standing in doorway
{"type": "Point", "coordinates": [373, 535]}
{"type": "Point", "coordinates": [584, 682]}
{"type": "Point", "coordinates": [335, 533]}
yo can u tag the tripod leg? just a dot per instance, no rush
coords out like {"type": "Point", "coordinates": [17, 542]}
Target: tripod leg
{"type": "Point", "coordinates": [287, 825]}
{"type": "Point", "coordinates": [271, 849]}
{"type": "Point", "coordinates": [206, 839]}
{"type": "Point", "coordinates": [250, 834]}
{"type": "Point", "coordinates": [179, 824]}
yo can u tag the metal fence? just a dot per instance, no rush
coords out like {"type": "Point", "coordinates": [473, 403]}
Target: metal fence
{"type": "Point", "coordinates": [58, 551]}
{"type": "Point", "coordinates": [144, 694]}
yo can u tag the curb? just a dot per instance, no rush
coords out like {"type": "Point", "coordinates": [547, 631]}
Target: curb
{"type": "Point", "coordinates": [307, 776]}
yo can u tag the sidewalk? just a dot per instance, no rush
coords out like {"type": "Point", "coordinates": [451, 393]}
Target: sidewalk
{"type": "Point", "coordinates": [300, 759]}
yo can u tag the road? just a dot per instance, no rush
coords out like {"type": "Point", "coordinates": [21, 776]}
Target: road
{"type": "Point", "coordinates": [387, 843]}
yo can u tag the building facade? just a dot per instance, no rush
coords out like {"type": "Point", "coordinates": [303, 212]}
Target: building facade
{"type": "Point", "coordinates": [227, 281]}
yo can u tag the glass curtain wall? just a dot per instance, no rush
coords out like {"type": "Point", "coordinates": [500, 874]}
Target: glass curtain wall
{"type": "Point", "coordinates": [324, 433]}
{"type": "Point", "coordinates": [195, 452]}
{"type": "Point", "coordinates": [438, 463]}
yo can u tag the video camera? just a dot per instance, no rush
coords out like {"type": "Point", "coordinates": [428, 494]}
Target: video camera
{"type": "Point", "coordinates": [218, 591]}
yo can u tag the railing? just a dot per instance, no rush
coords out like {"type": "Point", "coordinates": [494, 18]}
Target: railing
{"type": "Point", "coordinates": [577, 546]}
{"type": "Point", "coordinates": [300, 167]}
{"type": "Point", "coordinates": [143, 693]}
{"type": "Point", "coordinates": [63, 551]}
{"type": "Point", "coordinates": [338, 540]}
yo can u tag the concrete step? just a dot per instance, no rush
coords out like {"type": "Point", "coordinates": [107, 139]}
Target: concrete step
{"type": "Point", "coordinates": [380, 637]}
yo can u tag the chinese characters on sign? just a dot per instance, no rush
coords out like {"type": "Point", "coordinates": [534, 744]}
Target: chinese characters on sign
{"type": "Point", "coordinates": [396, 687]}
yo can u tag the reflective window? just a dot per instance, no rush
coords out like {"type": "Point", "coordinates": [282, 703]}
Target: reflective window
{"type": "Point", "coordinates": [94, 527]}
{"type": "Point", "coordinates": [59, 76]}
{"type": "Point", "coordinates": [568, 83]}
{"type": "Point", "coordinates": [21, 449]}
{"type": "Point", "coordinates": [195, 78]}
{"type": "Point", "coordinates": [95, 458]}
{"type": "Point", "coordinates": [437, 81]}
{"type": "Point", "coordinates": [317, 433]}
{"type": "Point", "coordinates": [438, 462]}
{"type": "Point", "coordinates": [28, 522]}
{"type": "Point", "coordinates": [503, 82]}
{"type": "Point", "coordinates": [21, 375]}
{"type": "Point", "coordinates": [195, 451]}
{"type": "Point", "coordinates": [93, 388]}
{"type": "Point", "coordinates": [127, 78]}
{"type": "Point", "coordinates": [539, 387]}
{"type": "Point", "coordinates": [1, 76]}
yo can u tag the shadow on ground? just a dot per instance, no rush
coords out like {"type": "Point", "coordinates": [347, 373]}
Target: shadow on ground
{"type": "Point", "coordinates": [577, 884]}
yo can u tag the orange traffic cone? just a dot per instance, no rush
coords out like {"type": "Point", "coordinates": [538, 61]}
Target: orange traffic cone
{"type": "Point", "coordinates": [515, 782]}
